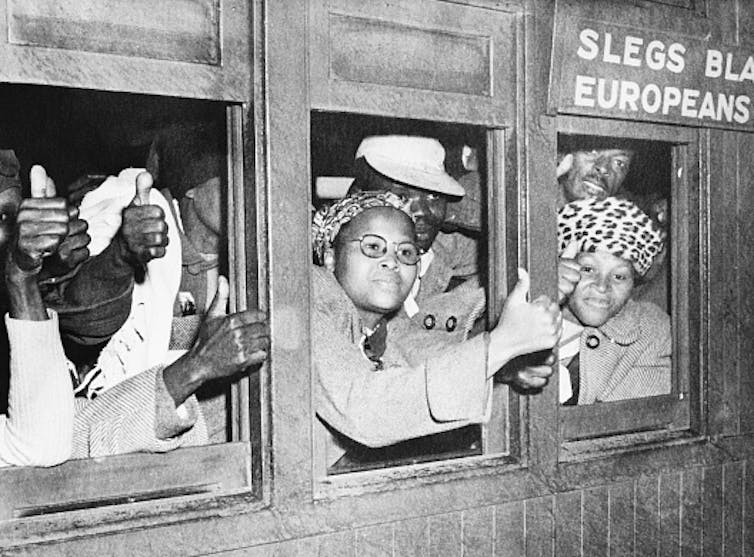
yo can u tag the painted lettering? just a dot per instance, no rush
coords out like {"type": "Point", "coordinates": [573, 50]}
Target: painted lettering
{"type": "Point", "coordinates": [589, 47]}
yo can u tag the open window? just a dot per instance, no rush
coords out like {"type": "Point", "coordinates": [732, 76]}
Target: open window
{"type": "Point", "coordinates": [335, 138]}
{"type": "Point", "coordinates": [82, 137]}
{"type": "Point", "coordinates": [620, 406]}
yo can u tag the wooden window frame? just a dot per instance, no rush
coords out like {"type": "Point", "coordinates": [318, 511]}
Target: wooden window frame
{"type": "Point", "coordinates": [186, 474]}
{"type": "Point", "coordinates": [681, 411]}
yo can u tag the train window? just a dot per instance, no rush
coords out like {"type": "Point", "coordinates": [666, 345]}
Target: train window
{"type": "Point", "coordinates": [624, 237]}
{"type": "Point", "coordinates": [351, 152]}
{"type": "Point", "coordinates": [123, 316]}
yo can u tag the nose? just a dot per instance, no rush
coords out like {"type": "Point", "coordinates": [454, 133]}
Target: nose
{"type": "Point", "coordinates": [601, 283]}
{"type": "Point", "coordinates": [602, 165]}
{"type": "Point", "coordinates": [418, 206]}
{"type": "Point", "coordinates": [389, 260]}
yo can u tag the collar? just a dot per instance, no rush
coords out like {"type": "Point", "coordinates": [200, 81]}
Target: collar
{"type": "Point", "coordinates": [624, 328]}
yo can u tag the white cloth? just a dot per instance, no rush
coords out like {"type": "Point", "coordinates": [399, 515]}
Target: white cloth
{"type": "Point", "coordinates": [142, 341]}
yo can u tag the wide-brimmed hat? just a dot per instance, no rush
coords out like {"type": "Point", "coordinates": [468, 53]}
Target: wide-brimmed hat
{"type": "Point", "coordinates": [412, 160]}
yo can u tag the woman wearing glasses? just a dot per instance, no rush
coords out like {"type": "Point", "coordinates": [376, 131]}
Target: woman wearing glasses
{"type": "Point", "coordinates": [365, 388]}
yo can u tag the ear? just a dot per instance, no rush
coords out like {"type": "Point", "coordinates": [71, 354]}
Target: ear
{"type": "Point", "coordinates": [329, 259]}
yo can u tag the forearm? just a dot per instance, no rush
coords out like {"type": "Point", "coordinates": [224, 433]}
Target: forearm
{"type": "Point", "coordinates": [182, 378]}
{"type": "Point", "coordinates": [25, 300]}
{"type": "Point", "coordinates": [100, 278]}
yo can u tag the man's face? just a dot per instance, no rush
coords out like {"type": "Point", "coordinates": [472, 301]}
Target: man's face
{"type": "Point", "coordinates": [376, 286]}
{"type": "Point", "coordinates": [606, 285]}
{"type": "Point", "coordinates": [597, 173]}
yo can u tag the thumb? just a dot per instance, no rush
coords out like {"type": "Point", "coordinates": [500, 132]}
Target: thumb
{"type": "Point", "coordinates": [570, 251]}
{"type": "Point", "coordinates": [220, 301]}
{"type": "Point", "coordinates": [565, 165]}
{"type": "Point", "coordinates": [39, 184]}
{"type": "Point", "coordinates": [520, 292]}
{"type": "Point", "coordinates": [143, 185]}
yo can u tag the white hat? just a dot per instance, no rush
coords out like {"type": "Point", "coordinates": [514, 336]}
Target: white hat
{"type": "Point", "coordinates": [415, 161]}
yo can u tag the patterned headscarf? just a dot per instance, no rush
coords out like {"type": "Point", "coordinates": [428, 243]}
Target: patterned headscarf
{"type": "Point", "coordinates": [614, 225]}
{"type": "Point", "coordinates": [328, 220]}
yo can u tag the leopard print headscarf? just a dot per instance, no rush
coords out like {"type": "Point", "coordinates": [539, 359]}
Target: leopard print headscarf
{"type": "Point", "coordinates": [614, 225]}
{"type": "Point", "coordinates": [328, 220]}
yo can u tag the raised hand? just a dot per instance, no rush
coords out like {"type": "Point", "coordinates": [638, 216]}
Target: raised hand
{"type": "Point", "coordinates": [569, 272]}
{"type": "Point", "coordinates": [143, 234]}
{"type": "Point", "coordinates": [524, 327]}
{"type": "Point", "coordinates": [226, 345]}
{"type": "Point", "coordinates": [42, 224]}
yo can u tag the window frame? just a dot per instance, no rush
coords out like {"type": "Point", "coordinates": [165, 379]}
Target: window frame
{"type": "Point", "coordinates": [680, 412]}
{"type": "Point", "coordinates": [236, 467]}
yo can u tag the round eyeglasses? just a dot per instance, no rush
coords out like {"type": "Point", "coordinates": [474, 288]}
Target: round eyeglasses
{"type": "Point", "coordinates": [374, 246]}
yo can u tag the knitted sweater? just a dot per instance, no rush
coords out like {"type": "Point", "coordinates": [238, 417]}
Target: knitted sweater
{"type": "Point", "coordinates": [445, 390]}
{"type": "Point", "coordinates": [37, 429]}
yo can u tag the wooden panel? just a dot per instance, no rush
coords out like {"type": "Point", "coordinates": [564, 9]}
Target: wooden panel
{"type": "Point", "coordinates": [691, 512]}
{"type": "Point", "coordinates": [733, 510]}
{"type": "Point", "coordinates": [712, 526]}
{"type": "Point", "coordinates": [609, 418]}
{"type": "Point", "coordinates": [187, 48]}
{"type": "Point", "coordinates": [412, 537]}
{"type": "Point", "coordinates": [181, 30]}
{"type": "Point", "coordinates": [414, 58]}
{"type": "Point", "coordinates": [80, 484]}
{"type": "Point", "coordinates": [745, 266]}
{"type": "Point", "coordinates": [723, 369]}
{"type": "Point", "coordinates": [748, 507]}
{"type": "Point", "coordinates": [510, 538]}
{"type": "Point", "coordinates": [540, 527]}
{"type": "Point", "coordinates": [376, 541]}
{"type": "Point", "coordinates": [368, 51]}
{"type": "Point", "coordinates": [445, 535]}
{"type": "Point", "coordinates": [478, 531]}
{"type": "Point", "coordinates": [568, 522]}
{"type": "Point", "coordinates": [670, 525]}
{"type": "Point", "coordinates": [595, 521]}
{"type": "Point", "coordinates": [622, 519]}
{"type": "Point", "coordinates": [647, 516]}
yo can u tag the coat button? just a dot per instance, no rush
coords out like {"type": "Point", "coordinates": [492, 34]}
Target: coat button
{"type": "Point", "coordinates": [451, 323]}
{"type": "Point", "coordinates": [429, 321]}
{"type": "Point", "coordinates": [592, 341]}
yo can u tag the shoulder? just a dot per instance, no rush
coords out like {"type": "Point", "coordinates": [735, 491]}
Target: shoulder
{"type": "Point", "coordinates": [653, 322]}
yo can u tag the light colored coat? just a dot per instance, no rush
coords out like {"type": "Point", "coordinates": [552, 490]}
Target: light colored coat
{"type": "Point", "coordinates": [632, 358]}
{"type": "Point", "coordinates": [445, 390]}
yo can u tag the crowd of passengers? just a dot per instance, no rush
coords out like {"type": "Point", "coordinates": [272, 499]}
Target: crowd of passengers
{"type": "Point", "coordinates": [117, 323]}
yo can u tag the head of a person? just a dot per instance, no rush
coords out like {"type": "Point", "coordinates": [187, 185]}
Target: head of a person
{"type": "Point", "coordinates": [616, 245]}
{"type": "Point", "coordinates": [367, 240]}
{"type": "Point", "coordinates": [190, 160]}
{"type": "Point", "coordinates": [599, 169]}
{"type": "Point", "coordinates": [412, 168]}
{"type": "Point", "coordinates": [10, 194]}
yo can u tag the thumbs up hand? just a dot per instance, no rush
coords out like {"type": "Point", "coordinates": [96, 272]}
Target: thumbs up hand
{"type": "Point", "coordinates": [42, 223]}
{"type": "Point", "coordinates": [569, 272]}
{"type": "Point", "coordinates": [226, 345]}
{"type": "Point", "coordinates": [143, 234]}
{"type": "Point", "coordinates": [524, 327]}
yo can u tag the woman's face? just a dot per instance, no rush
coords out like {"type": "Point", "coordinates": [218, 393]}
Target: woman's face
{"type": "Point", "coordinates": [376, 286]}
{"type": "Point", "coordinates": [605, 286]}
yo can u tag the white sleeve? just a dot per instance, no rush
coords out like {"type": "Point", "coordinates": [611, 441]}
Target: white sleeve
{"type": "Point", "coordinates": [38, 428]}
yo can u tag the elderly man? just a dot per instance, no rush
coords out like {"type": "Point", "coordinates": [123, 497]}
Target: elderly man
{"type": "Point", "coordinates": [596, 169]}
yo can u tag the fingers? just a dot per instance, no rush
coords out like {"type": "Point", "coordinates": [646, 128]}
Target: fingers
{"type": "Point", "coordinates": [520, 292]}
{"type": "Point", "coordinates": [144, 183]}
{"type": "Point", "coordinates": [570, 251]}
{"type": "Point", "coordinates": [565, 165]}
{"type": "Point", "coordinates": [219, 306]}
{"type": "Point", "coordinates": [38, 178]}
